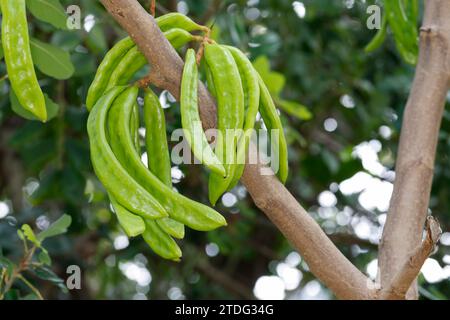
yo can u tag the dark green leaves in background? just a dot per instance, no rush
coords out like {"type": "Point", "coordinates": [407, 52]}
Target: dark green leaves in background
{"type": "Point", "coordinates": [275, 83]}
{"type": "Point", "coordinates": [50, 11]}
{"type": "Point", "coordinates": [51, 60]}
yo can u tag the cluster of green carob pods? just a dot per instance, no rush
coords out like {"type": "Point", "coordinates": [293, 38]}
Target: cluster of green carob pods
{"type": "Point", "coordinates": [142, 196]}
{"type": "Point", "coordinates": [19, 63]}
{"type": "Point", "coordinates": [240, 93]}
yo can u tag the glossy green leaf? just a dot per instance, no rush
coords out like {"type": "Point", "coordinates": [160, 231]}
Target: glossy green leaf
{"type": "Point", "coordinates": [30, 296]}
{"type": "Point", "coordinates": [65, 40]}
{"type": "Point", "coordinates": [20, 234]}
{"type": "Point", "coordinates": [50, 11]}
{"type": "Point", "coordinates": [51, 60]}
{"type": "Point", "coordinates": [274, 81]}
{"type": "Point", "coordinates": [29, 234]}
{"type": "Point", "coordinates": [12, 294]}
{"type": "Point", "coordinates": [48, 275]}
{"type": "Point", "coordinates": [6, 264]}
{"type": "Point", "coordinates": [56, 228]}
{"type": "Point", "coordinates": [44, 257]}
{"type": "Point", "coordinates": [295, 109]}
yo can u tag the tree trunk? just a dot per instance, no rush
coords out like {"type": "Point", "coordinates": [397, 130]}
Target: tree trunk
{"type": "Point", "coordinates": [418, 142]}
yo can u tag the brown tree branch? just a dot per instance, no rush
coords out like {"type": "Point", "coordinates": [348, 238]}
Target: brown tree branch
{"type": "Point", "coordinates": [153, 7]}
{"type": "Point", "coordinates": [418, 141]}
{"type": "Point", "coordinates": [323, 258]}
{"type": "Point", "coordinates": [408, 272]}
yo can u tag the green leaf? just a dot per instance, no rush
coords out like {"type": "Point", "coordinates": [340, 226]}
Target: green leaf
{"type": "Point", "coordinates": [50, 11]}
{"type": "Point", "coordinates": [48, 275]}
{"type": "Point", "coordinates": [432, 293]}
{"type": "Point", "coordinates": [295, 109]}
{"type": "Point", "coordinates": [30, 296]}
{"type": "Point", "coordinates": [44, 257]}
{"type": "Point", "coordinates": [7, 264]}
{"type": "Point", "coordinates": [20, 234]}
{"type": "Point", "coordinates": [274, 81]}
{"type": "Point", "coordinates": [12, 294]}
{"type": "Point", "coordinates": [51, 60]}
{"type": "Point", "coordinates": [50, 105]}
{"type": "Point", "coordinates": [65, 40]}
{"type": "Point", "coordinates": [215, 31]}
{"type": "Point", "coordinates": [96, 39]}
{"type": "Point", "coordinates": [29, 234]}
{"type": "Point", "coordinates": [56, 228]}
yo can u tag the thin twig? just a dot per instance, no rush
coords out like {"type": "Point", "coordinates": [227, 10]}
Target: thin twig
{"type": "Point", "coordinates": [25, 244]}
{"type": "Point", "coordinates": [200, 52]}
{"type": "Point", "coordinates": [201, 49]}
{"type": "Point", "coordinates": [153, 7]}
{"type": "Point", "coordinates": [33, 288]}
{"type": "Point", "coordinates": [23, 265]}
{"type": "Point", "coordinates": [146, 81]}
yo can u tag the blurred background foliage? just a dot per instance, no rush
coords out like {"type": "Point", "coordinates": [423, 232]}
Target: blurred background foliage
{"type": "Point", "coordinates": [342, 110]}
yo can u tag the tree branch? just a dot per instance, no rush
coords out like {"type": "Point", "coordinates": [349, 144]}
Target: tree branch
{"type": "Point", "coordinates": [153, 7]}
{"type": "Point", "coordinates": [408, 272]}
{"type": "Point", "coordinates": [323, 258]}
{"type": "Point", "coordinates": [418, 141]}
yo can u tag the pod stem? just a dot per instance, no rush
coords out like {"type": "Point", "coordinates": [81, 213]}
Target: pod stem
{"type": "Point", "coordinates": [146, 81]}
{"type": "Point", "coordinates": [153, 7]}
{"type": "Point", "coordinates": [205, 39]}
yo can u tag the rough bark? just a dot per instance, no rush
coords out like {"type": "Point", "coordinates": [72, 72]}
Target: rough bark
{"type": "Point", "coordinates": [418, 141]}
{"type": "Point", "coordinates": [323, 258]}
